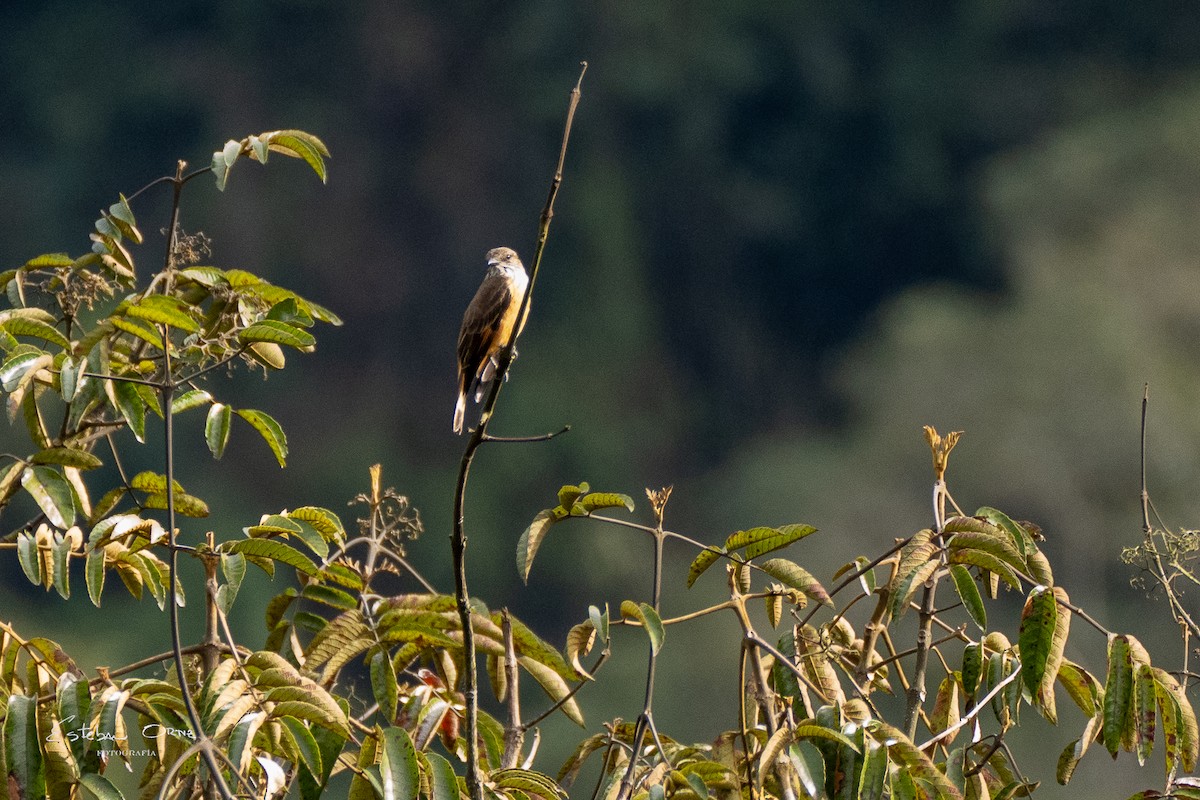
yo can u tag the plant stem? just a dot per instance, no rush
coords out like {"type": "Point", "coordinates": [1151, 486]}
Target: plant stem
{"type": "Point", "coordinates": [166, 391]}
{"type": "Point", "coordinates": [458, 536]}
{"type": "Point", "coordinates": [916, 692]}
{"type": "Point", "coordinates": [514, 732]}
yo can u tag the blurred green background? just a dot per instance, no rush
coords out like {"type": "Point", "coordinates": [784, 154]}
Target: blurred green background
{"type": "Point", "coordinates": [790, 234]}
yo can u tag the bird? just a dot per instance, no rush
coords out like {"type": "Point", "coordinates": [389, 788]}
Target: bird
{"type": "Point", "coordinates": [488, 323]}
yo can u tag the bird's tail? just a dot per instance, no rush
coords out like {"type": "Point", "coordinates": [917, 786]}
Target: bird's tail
{"type": "Point", "coordinates": [460, 408]}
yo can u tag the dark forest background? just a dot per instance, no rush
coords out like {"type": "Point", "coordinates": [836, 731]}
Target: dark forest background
{"type": "Point", "coordinates": [790, 234]}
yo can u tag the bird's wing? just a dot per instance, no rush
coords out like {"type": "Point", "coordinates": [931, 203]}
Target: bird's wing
{"type": "Point", "coordinates": [481, 327]}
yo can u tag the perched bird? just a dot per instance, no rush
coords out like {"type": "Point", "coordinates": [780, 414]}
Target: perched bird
{"type": "Point", "coordinates": [487, 325]}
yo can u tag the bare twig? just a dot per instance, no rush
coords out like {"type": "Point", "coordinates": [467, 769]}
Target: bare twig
{"type": "Point", "coordinates": [545, 437]}
{"type": "Point", "coordinates": [458, 536]}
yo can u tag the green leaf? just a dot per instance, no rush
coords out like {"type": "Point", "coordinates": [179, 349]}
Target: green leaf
{"type": "Point", "coordinates": [273, 525]}
{"type": "Point", "coordinates": [61, 555]}
{"type": "Point", "coordinates": [1118, 691]}
{"type": "Point", "coordinates": [531, 539]}
{"type": "Point", "coordinates": [22, 752]}
{"type": "Point", "coordinates": [648, 617]}
{"type": "Point", "coordinates": [791, 574]}
{"type": "Point", "coordinates": [1036, 635]}
{"type": "Point", "coordinates": [141, 330]}
{"type": "Point", "coordinates": [1144, 712]}
{"type": "Point", "coordinates": [291, 311]}
{"type": "Point", "coordinates": [1081, 686]}
{"type": "Point", "coordinates": [306, 744]}
{"type": "Point", "coordinates": [222, 162]}
{"type": "Point", "coordinates": [309, 702]}
{"type": "Point", "coordinates": [383, 684]}
{"type": "Point", "coordinates": [130, 404]}
{"type": "Point", "coordinates": [554, 685]}
{"type": "Point", "coordinates": [270, 431]}
{"type": "Point", "coordinates": [527, 643]}
{"type": "Point", "coordinates": [398, 766]}
{"type": "Point", "coordinates": [599, 621]}
{"type": "Point", "coordinates": [27, 556]}
{"type": "Point", "coordinates": [904, 753]}
{"type": "Point", "coordinates": [989, 539]}
{"type": "Point", "coordinates": [22, 361]}
{"type": "Point", "coordinates": [164, 310]}
{"type": "Point", "coordinates": [152, 483]}
{"type": "Point", "coordinates": [299, 144]}
{"type": "Point", "coordinates": [185, 504]}
{"type": "Point", "coordinates": [233, 566]}
{"type": "Point", "coordinates": [100, 787]}
{"type": "Point", "coordinates": [49, 261]}
{"type": "Point", "coordinates": [907, 584]}
{"type": "Point", "coordinates": [122, 214]}
{"type": "Point", "coordinates": [786, 682]}
{"type": "Point", "coordinates": [972, 669]}
{"type": "Point", "coordinates": [569, 493]}
{"type": "Point", "coordinates": [527, 781]}
{"type": "Point", "coordinates": [708, 556]}
{"type": "Point", "coordinates": [94, 574]}
{"type": "Point", "coordinates": [443, 783]}
{"type": "Point", "coordinates": [1171, 702]}
{"type": "Point", "coordinates": [258, 149]}
{"type": "Point", "coordinates": [758, 541]}
{"type": "Point", "coordinates": [269, 330]}
{"type": "Point", "coordinates": [324, 521]}
{"type": "Point", "coordinates": [1019, 536]}
{"type": "Point", "coordinates": [968, 592]}
{"type": "Point", "coordinates": [579, 643]}
{"type": "Point", "coordinates": [986, 561]}
{"type": "Point", "coordinates": [52, 493]}
{"type": "Point", "coordinates": [598, 500]}
{"type": "Point", "coordinates": [1069, 758]}
{"type": "Point", "coordinates": [946, 711]}
{"type": "Point", "coordinates": [67, 457]}
{"type": "Point", "coordinates": [192, 398]}
{"type": "Point", "coordinates": [216, 428]}
{"type": "Point", "coordinates": [1044, 698]}
{"type": "Point", "coordinates": [28, 326]}
{"type": "Point", "coordinates": [69, 378]}
{"type": "Point", "coordinates": [74, 702]}
{"type": "Point", "coordinates": [272, 549]}
{"type": "Point", "coordinates": [8, 480]}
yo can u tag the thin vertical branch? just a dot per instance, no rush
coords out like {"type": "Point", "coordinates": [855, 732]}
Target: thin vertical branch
{"type": "Point", "coordinates": [458, 536]}
{"type": "Point", "coordinates": [645, 719]}
{"type": "Point", "coordinates": [916, 691]}
{"type": "Point", "coordinates": [1147, 528]}
{"type": "Point", "coordinates": [514, 732]}
{"type": "Point", "coordinates": [166, 390]}
{"type": "Point", "coordinates": [212, 613]}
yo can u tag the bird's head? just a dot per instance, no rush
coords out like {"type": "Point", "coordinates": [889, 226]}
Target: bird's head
{"type": "Point", "coordinates": [504, 258]}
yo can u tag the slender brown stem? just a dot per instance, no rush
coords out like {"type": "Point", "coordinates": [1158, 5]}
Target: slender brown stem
{"type": "Point", "coordinates": [1146, 526]}
{"type": "Point", "coordinates": [166, 390]}
{"type": "Point", "coordinates": [514, 732]}
{"type": "Point", "coordinates": [916, 691]}
{"type": "Point", "coordinates": [545, 437]}
{"type": "Point", "coordinates": [458, 535]}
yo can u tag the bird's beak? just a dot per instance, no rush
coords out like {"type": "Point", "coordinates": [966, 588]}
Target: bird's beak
{"type": "Point", "coordinates": [493, 262]}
